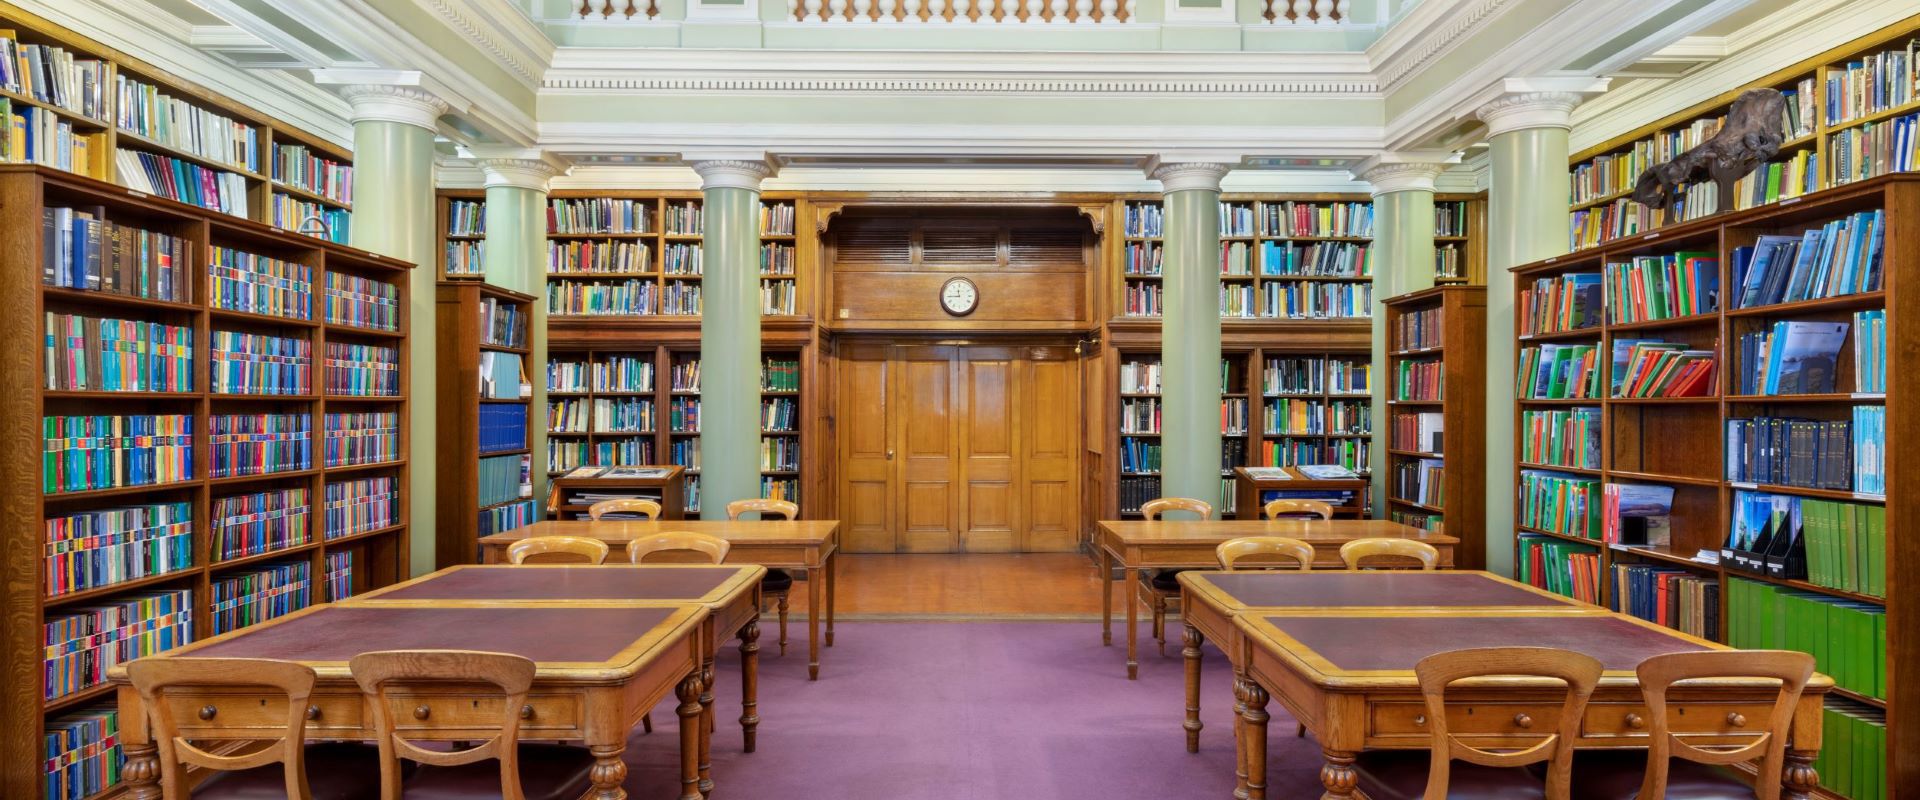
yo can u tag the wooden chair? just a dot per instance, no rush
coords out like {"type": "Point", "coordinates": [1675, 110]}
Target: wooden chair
{"type": "Point", "coordinates": [1161, 590]}
{"type": "Point", "coordinates": [647, 509]}
{"type": "Point", "coordinates": [678, 547]}
{"type": "Point", "coordinates": [338, 770]}
{"type": "Point", "coordinates": [1404, 775]}
{"type": "Point", "coordinates": [1285, 508]}
{"type": "Point", "coordinates": [778, 584]}
{"type": "Point", "coordinates": [526, 771]}
{"type": "Point", "coordinates": [1701, 771]}
{"type": "Point", "coordinates": [1386, 547]}
{"type": "Point", "coordinates": [557, 550]}
{"type": "Point", "coordinates": [1233, 551]}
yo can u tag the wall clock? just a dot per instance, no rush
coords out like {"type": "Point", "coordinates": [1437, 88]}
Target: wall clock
{"type": "Point", "coordinates": [959, 297]}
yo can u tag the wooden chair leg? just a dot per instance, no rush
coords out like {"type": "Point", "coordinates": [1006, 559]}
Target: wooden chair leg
{"type": "Point", "coordinates": [646, 722]}
{"type": "Point", "coordinates": [1160, 623]}
{"type": "Point", "coordinates": [783, 622]}
{"type": "Point", "coordinates": [1301, 732]}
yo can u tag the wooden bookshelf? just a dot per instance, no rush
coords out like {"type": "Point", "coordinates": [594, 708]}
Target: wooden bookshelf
{"type": "Point", "coordinates": [380, 554]}
{"type": "Point", "coordinates": [1678, 442]}
{"type": "Point", "coordinates": [463, 516]}
{"type": "Point", "coordinates": [459, 218]}
{"type": "Point", "coordinates": [1460, 239]}
{"type": "Point", "coordinates": [1455, 341]}
{"type": "Point", "coordinates": [1815, 142]}
{"type": "Point", "coordinates": [1137, 260]}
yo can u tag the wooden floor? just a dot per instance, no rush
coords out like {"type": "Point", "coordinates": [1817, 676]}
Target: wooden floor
{"type": "Point", "coordinates": [1046, 585]}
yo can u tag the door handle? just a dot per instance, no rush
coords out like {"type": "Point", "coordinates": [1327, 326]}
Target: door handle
{"type": "Point", "coordinates": [889, 454]}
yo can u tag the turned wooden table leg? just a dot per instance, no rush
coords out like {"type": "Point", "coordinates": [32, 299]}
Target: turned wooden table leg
{"type": "Point", "coordinates": [141, 772]}
{"type": "Point", "coordinates": [689, 711]}
{"type": "Point", "coordinates": [1256, 716]}
{"type": "Point", "coordinates": [1799, 779]}
{"type": "Point", "coordinates": [608, 771]}
{"type": "Point", "coordinates": [1128, 592]}
{"type": "Point", "coordinates": [1239, 738]}
{"type": "Point", "coordinates": [833, 581]}
{"type": "Point", "coordinates": [1337, 775]}
{"type": "Point", "coordinates": [815, 610]}
{"type": "Point", "coordinates": [706, 725]}
{"type": "Point", "coordinates": [1193, 639]}
{"type": "Point", "coordinates": [1106, 598]}
{"type": "Point", "coordinates": [750, 682]}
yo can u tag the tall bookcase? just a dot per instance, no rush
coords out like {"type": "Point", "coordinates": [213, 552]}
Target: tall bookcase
{"type": "Point", "coordinates": [1684, 443]}
{"type": "Point", "coordinates": [318, 534]}
{"type": "Point", "coordinates": [1436, 371]}
{"type": "Point", "coordinates": [269, 171]}
{"type": "Point", "coordinates": [1459, 239]}
{"type": "Point", "coordinates": [1821, 149]}
{"type": "Point", "coordinates": [460, 216]}
{"type": "Point", "coordinates": [1281, 257]}
{"type": "Point", "coordinates": [483, 454]}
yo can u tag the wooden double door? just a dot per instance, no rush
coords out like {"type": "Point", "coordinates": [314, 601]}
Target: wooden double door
{"type": "Point", "coordinates": [958, 448]}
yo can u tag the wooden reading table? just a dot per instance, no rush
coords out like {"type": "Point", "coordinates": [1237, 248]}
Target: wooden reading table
{"type": "Point", "coordinates": [811, 546]}
{"type": "Point", "coordinates": [1137, 545]}
{"type": "Point", "coordinates": [731, 595]}
{"type": "Point", "coordinates": [600, 668]}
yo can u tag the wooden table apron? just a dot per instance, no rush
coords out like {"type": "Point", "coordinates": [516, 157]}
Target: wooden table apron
{"type": "Point", "coordinates": [733, 610]}
{"type": "Point", "coordinates": [1385, 710]}
{"type": "Point", "coordinates": [811, 546]}
{"type": "Point", "coordinates": [1137, 545]}
{"type": "Point", "coordinates": [595, 703]}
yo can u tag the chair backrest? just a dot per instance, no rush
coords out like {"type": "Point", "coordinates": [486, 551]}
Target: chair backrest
{"type": "Point", "coordinates": [1266, 549]}
{"type": "Point", "coordinates": [764, 505]}
{"type": "Point", "coordinates": [151, 677]}
{"type": "Point", "coordinates": [678, 547]}
{"type": "Point", "coordinates": [381, 674]}
{"type": "Point", "coordinates": [557, 550]}
{"type": "Point", "coordinates": [1579, 671]}
{"type": "Point", "coordinates": [1283, 507]}
{"type": "Point", "coordinates": [1792, 669]}
{"type": "Point", "coordinates": [629, 505]}
{"type": "Point", "coordinates": [1386, 546]}
{"type": "Point", "coordinates": [1153, 509]}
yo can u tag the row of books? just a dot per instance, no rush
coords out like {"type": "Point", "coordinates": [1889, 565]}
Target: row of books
{"type": "Point", "coordinates": [565, 454]}
{"type": "Point", "coordinates": [339, 575]}
{"type": "Point", "coordinates": [183, 181]}
{"type": "Point", "coordinates": [501, 375]}
{"type": "Point", "coordinates": [683, 415]}
{"type": "Point", "coordinates": [773, 488]}
{"type": "Point", "coordinates": [288, 212]}
{"type": "Point", "coordinates": [503, 478]}
{"type": "Point", "coordinates": [1797, 118]}
{"type": "Point", "coordinates": [257, 444]}
{"type": "Point", "coordinates": [627, 452]}
{"type": "Point", "coordinates": [1564, 568]}
{"type": "Point", "coordinates": [683, 218]}
{"type": "Point", "coordinates": [685, 452]}
{"type": "Point", "coordinates": [1319, 259]}
{"type": "Point", "coordinates": [53, 75]}
{"type": "Point", "coordinates": [366, 437]}
{"type": "Point", "coordinates": [1791, 357]}
{"type": "Point", "coordinates": [1350, 454]}
{"type": "Point", "coordinates": [682, 258]}
{"type": "Point", "coordinates": [1135, 490]}
{"type": "Point", "coordinates": [1611, 174]}
{"type": "Point", "coordinates": [38, 136]}
{"type": "Point", "coordinates": [779, 415]}
{"type": "Point", "coordinates": [1420, 330]}
{"type": "Point", "coordinates": [1841, 455]}
{"type": "Point", "coordinates": [1420, 379]}
{"type": "Point", "coordinates": [603, 298]}
{"type": "Point", "coordinates": [1424, 520]}
{"type": "Point", "coordinates": [1873, 84]}
{"type": "Point", "coordinates": [680, 298]}
{"type": "Point", "coordinates": [1420, 431]}
{"type": "Point", "coordinates": [1845, 543]}
{"type": "Point", "coordinates": [1295, 375]}
{"type": "Point", "coordinates": [1847, 638]}
{"type": "Point", "coordinates": [1316, 300]}
{"type": "Point", "coordinates": [1143, 220]}
{"type": "Point", "coordinates": [1140, 415]}
{"type": "Point", "coordinates": [257, 595]}
{"type": "Point", "coordinates": [1235, 259]}
{"type": "Point", "coordinates": [1143, 258]}
{"type": "Point", "coordinates": [779, 375]}
{"type": "Point", "coordinates": [1238, 301]}
{"type": "Point", "coordinates": [779, 454]}
{"type": "Point", "coordinates": [465, 257]}
{"type": "Point", "coordinates": [567, 416]}
{"type": "Point", "coordinates": [362, 370]}
{"type": "Point", "coordinates": [296, 166]}
{"type": "Point", "coordinates": [502, 323]}
{"type": "Point", "coordinates": [1853, 751]}
{"type": "Point", "coordinates": [260, 522]}
{"type": "Point", "coordinates": [684, 376]}
{"type": "Point", "coordinates": [467, 218]}
{"type": "Point", "coordinates": [1561, 437]}
{"type": "Point", "coordinates": [1841, 257]}
{"type": "Point", "coordinates": [590, 255]}
{"type": "Point", "coordinates": [1557, 502]}
{"type": "Point", "coordinates": [1672, 597]}
{"type": "Point", "coordinates": [1875, 149]}
{"type": "Point", "coordinates": [362, 302]}
{"type": "Point", "coordinates": [1234, 416]}
{"type": "Point", "coordinates": [1142, 300]}
{"type": "Point", "coordinates": [85, 250]}
{"type": "Point", "coordinates": [1663, 369]}
{"type": "Point", "coordinates": [776, 219]}
{"type": "Point", "coordinates": [1143, 377]}
{"type": "Point", "coordinates": [82, 645]}
{"type": "Point", "coordinates": [1870, 351]}
{"type": "Point", "coordinates": [623, 415]}
{"type": "Point", "coordinates": [1450, 218]}
{"type": "Point", "coordinates": [615, 374]}
{"type": "Point", "coordinates": [117, 355]}
{"type": "Point", "coordinates": [1558, 372]}
{"type": "Point", "coordinates": [778, 258]}
{"type": "Point", "coordinates": [1591, 227]}
{"type": "Point", "coordinates": [360, 505]}
{"type": "Point", "coordinates": [502, 426]}
{"type": "Point", "coordinates": [146, 111]}
{"type": "Point", "coordinates": [242, 281]}
{"type": "Point", "coordinates": [1236, 219]}
{"type": "Point", "coordinates": [599, 215]}
{"type": "Point", "coordinates": [82, 751]}
{"type": "Point", "coordinates": [690, 492]}
{"type": "Point", "coordinates": [1449, 261]}
{"type": "Point", "coordinates": [506, 518]}
{"type": "Point", "coordinates": [101, 547]}
{"type": "Point", "coordinates": [779, 298]}
{"type": "Point", "coordinates": [1798, 175]}
{"type": "Point", "coordinates": [256, 363]}
{"type": "Point", "coordinates": [1561, 303]}
{"type": "Point", "coordinates": [104, 452]}
{"type": "Point", "coordinates": [1139, 456]}
{"type": "Point", "coordinates": [1300, 219]}
{"type": "Point", "coordinates": [1420, 481]}
{"type": "Point", "coordinates": [1648, 288]}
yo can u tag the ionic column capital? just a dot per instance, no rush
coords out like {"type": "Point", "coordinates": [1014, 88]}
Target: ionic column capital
{"type": "Point", "coordinates": [732, 173]}
{"type": "Point", "coordinates": [518, 167]}
{"type": "Point", "coordinates": [1189, 175]}
{"type": "Point", "coordinates": [1394, 172]}
{"type": "Point", "coordinates": [386, 95]}
{"type": "Point", "coordinates": [1523, 103]}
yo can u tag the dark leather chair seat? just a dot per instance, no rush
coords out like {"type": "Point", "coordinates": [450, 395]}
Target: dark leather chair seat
{"type": "Point", "coordinates": [547, 772]}
{"type": "Point", "coordinates": [1166, 580]}
{"type": "Point", "coordinates": [1605, 775]}
{"type": "Point", "coordinates": [1402, 775]}
{"type": "Point", "coordinates": [345, 771]}
{"type": "Point", "coordinates": [777, 580]}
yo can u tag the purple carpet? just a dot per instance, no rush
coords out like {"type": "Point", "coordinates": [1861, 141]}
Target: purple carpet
{"type": "Point", "coordinates": [972, 711]}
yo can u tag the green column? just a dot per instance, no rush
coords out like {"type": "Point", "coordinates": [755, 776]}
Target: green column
{"type": "Point", "coordinates": [1190, 332]}
{"type": "Point", "coordinates": [1526, 221]}
{"type": "Point", "coordinates": [730, 334]}
{"type": "Point", "coordinates": [516, 258]}
{"type": "Point", "coordinates": [393, 129]}
{"type": "Point", "coordinates": [1403, 262]}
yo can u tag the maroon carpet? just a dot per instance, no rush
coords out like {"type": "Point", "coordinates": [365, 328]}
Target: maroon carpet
{"type": "Point", "coordinates": [972, 711]}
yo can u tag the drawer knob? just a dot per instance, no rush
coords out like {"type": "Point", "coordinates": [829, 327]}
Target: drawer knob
{"type": "Point", "coordinates": [207, 712]}
{"type": "Point", "coordinates": [1636, 722]}
{"type": "Point", "coordinates": [421, 712]}
{"type": "Point", "coordinates": [313, 712]}
{"type": "Point", "coordinates": [1420, 719]}
{"type": "Point", "coordinates": [1523, 720]}
{"type": "Point", "coordinates": [526, 712]}
{"type": "Point", "coordinates": [1736, 719]}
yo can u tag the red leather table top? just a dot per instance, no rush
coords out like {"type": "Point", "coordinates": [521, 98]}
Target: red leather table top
{"type": "Point", "coordinates": [1397, 643]}
{"type": "Point", "coordinates": [566, 582]}
{"type": "Point", "coordinates": [338, 633]}
{"type": "Point", "coordinates": [1373, 590]}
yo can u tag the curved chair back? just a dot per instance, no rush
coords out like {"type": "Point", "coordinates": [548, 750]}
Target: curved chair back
{"type": "Point", "coordinates": [557, 550]}
{"type": "Point", "coordinates": [765, 506]}
{"type": "Point", "coordinates": [1285, 508]}
{"type": "Point", "coordinates": [1579, 671]}
{"type": "Point", "coordinates": [1264, 549]}
{"type": "Point", "coordinates": [678, 547]}
{"type": "Point", "coordinates": [633, 505]}
{"type": "Point", "coordinates": [151, 677]}
{"type": "Point", "coordinates": [1153, 509]}
{"type": "Point", "coordinates": [425, 672]}
{"type": "Point", "coordinates": [1792, 669]}
{"type": "Point", "coordinates": [1386, 547]}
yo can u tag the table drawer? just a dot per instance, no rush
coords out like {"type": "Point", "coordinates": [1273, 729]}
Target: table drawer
{"type": "Point", "coordinates": [1388, 720]}
{"type": "Point", "coordinates": [266, 712]}
{"type": "Point", "coordinates": [453, 711]}
{"type": "Point", "coordinates": [1631, 719]}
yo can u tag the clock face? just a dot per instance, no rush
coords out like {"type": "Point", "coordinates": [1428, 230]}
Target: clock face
{"type": "Point", "coordinates": [959, 297]}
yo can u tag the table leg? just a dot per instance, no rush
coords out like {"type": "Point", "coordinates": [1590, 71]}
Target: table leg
{"type": "Point", "coordinates": [815, 605]}
{"type": "Point", "coordinates": [142, 770]}
{"type": "Point", "coordinates": [1256, 716]}
{"type": "Point", "coordinates": [750, 682]}
{"type": "Point", "coordinates": [833, 581]}
{"type": "Point", "coordinates": [1192, 652]}
{"type": "Point", "coordinates": [1799, 779]}
{"type": "Point", "coordinates": [1239, 737]}
{"type": "Point", "coordinates": [1106, 598]}
{"type": "Point", "coordinates": [689, 712]}
{"type": "Point", "coordinates": [609, 771]}
{"type": "Point", "coordinates": [1129, 579]}
{"type": "Point", "coordinates": [1337, 775]}
{"type": "Point", "coordinates": [706, 724]}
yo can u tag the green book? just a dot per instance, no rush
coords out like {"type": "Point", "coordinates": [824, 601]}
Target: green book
{"type": "Point", "coordinates": [1876, 558]}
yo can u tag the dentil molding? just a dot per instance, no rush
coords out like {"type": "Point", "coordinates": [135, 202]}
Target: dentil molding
{"type": "Point", "coordinates": [732, 173]}
{"type": "Point", "coordinates": [1190, 176]}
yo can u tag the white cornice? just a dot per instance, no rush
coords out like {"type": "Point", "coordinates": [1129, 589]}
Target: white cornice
{"type": "Point", "coordinates": [1429, 31]}
{"type": "Point", "coordinates": [511, 39]}
{"type": "Point", "coordinates": [453, 173]}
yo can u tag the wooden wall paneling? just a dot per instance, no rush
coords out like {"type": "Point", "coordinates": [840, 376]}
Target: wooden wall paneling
{"type": "Point", "coordinates": [927, 417]}
{"type": "Point", "coordinates": [992, 509]}
{"type": "Point", "coordinates": [865, 441]}
{"type": "Point", "coordinates": [1048, 408]}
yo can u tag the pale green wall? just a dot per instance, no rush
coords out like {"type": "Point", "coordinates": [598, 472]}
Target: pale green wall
{"type": "Point", "coordinates": [415, 19]}
{"type": "Point", "coordinates": [1190, 347]}
{"type": "Point", "coordinates": [1499, 33]}
{"type": "Point", "coordinates": [1403, 249]}
{"type": "Point", "coordinates": [730, 351]}
{"type": "Point", "coordinates": [516, 259]}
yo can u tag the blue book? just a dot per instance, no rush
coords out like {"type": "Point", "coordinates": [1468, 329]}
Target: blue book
{"type": "Point", "coordinates": [1804, 357]}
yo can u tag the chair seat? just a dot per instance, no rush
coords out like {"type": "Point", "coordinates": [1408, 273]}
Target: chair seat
{"type": "Point", "coordinates": [1402, 775]}
{"type": "Point", "coordinates": [547, 772]}
{"type": "Point", "coordinates": [1616, 775]}
{"type": "Point", "coordinates": [1166, 580]}
{"type": "Point", "coordinates": [777, 580]}
{"type": "Point", "coordinates": [346, 771]}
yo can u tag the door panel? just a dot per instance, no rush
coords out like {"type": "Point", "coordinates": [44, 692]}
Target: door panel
{"type": "Point", "coordinates": [990, 451]}
{"type": "Point", "coordinates": [866, 439]}
{"type": "Point", "coordinates": [926, 445]}
{"type": "Point", "coordinates": [1050, 405]}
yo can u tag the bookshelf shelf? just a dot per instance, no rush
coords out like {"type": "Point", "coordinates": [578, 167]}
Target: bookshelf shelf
{"type": "Point", "coordinates": [50, 602]}
{"type": "Point", "coordinates": [139, 142]}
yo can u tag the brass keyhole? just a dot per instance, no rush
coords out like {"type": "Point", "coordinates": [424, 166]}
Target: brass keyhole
{"type": "Point", "coordinates": [207, 712]}
{"type": "Point", "coordinates": [421, 712]}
